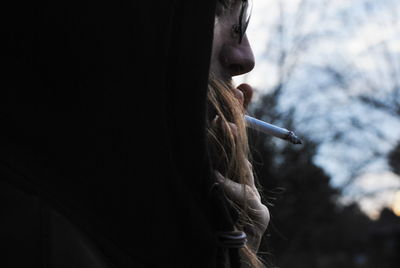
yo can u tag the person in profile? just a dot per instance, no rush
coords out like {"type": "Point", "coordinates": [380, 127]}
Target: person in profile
{"type": "Point", "coordinates": [232, 56]}
{"type": "Point", "coordinates": [83, 181]}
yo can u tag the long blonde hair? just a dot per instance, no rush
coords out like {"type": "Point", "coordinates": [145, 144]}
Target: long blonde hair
{"type": "Point", "coordinates": [230, 151]}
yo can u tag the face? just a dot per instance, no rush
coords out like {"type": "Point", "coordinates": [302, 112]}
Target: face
{"type": "Point", "coordinates": [231, 54]}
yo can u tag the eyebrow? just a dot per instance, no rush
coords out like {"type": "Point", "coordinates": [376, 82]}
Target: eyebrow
{"type": "Point", "coordinates": [225, 5]}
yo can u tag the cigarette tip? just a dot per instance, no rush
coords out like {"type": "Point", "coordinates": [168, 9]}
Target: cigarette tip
{"type": "Point", "coordinates": [294, 139]}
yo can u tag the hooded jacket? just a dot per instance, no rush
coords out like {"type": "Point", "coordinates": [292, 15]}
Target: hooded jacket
{"type": "Point", "coordinates": [103, 160]}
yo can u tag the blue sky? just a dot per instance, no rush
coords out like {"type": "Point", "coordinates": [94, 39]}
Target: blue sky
{"type": "Point", "coordinates": [357, 41]}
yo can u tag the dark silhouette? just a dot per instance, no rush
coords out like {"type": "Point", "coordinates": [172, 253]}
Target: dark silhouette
{"type": "Point", "coordinates": [102, 160]}
{"type": "Point", "coordinates": [394, 159]}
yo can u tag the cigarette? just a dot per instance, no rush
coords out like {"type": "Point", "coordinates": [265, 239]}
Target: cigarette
{"type": "Point", "coordinates": [273, 130]}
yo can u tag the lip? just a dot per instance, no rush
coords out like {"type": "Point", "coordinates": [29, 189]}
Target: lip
{"type": "Point", "coordinates": [247, 91]}
{"type": "Point", "coordinates": [245, 87]}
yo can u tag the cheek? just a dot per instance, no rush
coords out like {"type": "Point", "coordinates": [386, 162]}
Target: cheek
{"type": "Point", "coordinates": [215, 64]}
{"type": "Point", "coordinates": [222, 39]}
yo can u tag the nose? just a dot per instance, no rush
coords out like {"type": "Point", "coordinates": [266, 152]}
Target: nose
{"type": "Point", "coordinates": [237, 58]}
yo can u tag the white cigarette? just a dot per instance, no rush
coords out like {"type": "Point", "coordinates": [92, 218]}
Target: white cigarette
{"type": "Point", "coordinates": [273, 130]}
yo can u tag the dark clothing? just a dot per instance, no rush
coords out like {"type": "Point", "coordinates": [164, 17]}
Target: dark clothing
{"type": "Point", "coordinates": [102, 141]}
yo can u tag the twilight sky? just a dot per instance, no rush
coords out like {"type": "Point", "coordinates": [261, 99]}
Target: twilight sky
{"type": "Point", "coordinates": [334, 52]}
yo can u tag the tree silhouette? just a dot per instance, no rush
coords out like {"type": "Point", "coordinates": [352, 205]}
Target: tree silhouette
{"type": "Point", "coordinates": [394, 159]}
{"type": "Point", "coordinates": [309, 227]}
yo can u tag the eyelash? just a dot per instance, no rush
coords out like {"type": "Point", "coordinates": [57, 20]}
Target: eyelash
{"type": "Point", "coordinates": [235, 30]}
